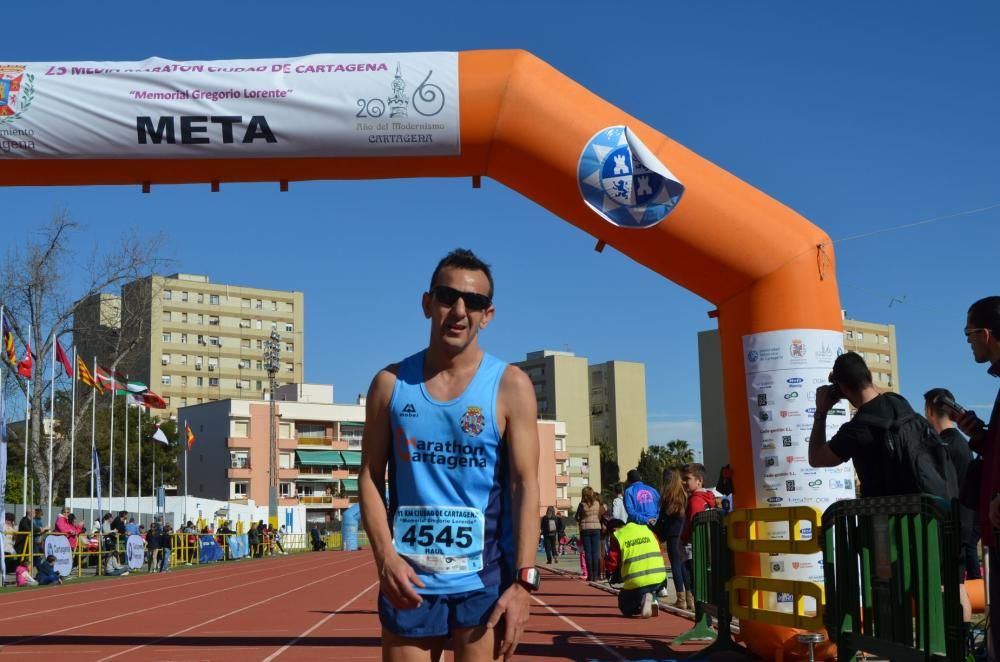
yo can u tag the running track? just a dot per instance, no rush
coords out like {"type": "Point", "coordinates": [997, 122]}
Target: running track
{"type": "Point", "coordinates": [315, 606]}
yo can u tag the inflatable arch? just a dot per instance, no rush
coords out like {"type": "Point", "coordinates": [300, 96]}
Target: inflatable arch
{"type": "Point", "coordinates": [513, 118]}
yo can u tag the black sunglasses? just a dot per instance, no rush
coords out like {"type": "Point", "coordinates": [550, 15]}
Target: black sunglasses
{"type": "Point", "coordinates": [449, 295]}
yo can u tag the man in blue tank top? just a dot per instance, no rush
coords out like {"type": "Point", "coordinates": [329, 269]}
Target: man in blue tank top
{"type": "Point", "coordinates": [455, 427]}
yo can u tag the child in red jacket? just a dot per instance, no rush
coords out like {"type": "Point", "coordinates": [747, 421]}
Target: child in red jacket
{"type": "Point", "coordinates": [699, 500]}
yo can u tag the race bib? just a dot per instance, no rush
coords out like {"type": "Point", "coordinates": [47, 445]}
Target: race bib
{"type": "Point", "coordinates": [440, 539]}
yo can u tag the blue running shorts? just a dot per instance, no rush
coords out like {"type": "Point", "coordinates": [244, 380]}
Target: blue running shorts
{"type": "Point", "coordinates": [439, 615]}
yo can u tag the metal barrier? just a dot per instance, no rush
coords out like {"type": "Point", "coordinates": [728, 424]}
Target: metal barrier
{"type": "Point", "coordinates": [892, 572]}
{"type": "Point", "coordinates": [712, 561]}
{"type": "Point", "coordinates": [749, 523]}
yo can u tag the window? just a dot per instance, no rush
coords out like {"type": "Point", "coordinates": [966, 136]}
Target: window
{"type": "Point", "coordinates": [201, 297]}
{"type": "Point", "coordinates": [289, 367]}
{"type": "Point", "coordinates": [184, 359]}
{"type": "Point", "coordinates": [244, 323]}
{"type": "Point", "coordinates": [885, 340]}
{"type": "Point", "coordinates": [213, 363]}
{"type": "Point", "coordinates": [285, 431]}
{"type": "Point", "coordinates": [239, 459]}
{"type": "Point", "coordinates": [258, 324]}
{"type": "Point", "coordinates": [260, 365]}
{"type": "Point", "coordinates": [200, 381]}
{"type": "Point", "coordinates": [184, 317]}
{"type": "Point", "coordinates": [201, 339]}
{"type": "Point", "coordinates": [201, 319]}
{"type": "Point", "coordinates": [213, 320]}
{"type": "Point", "coordinates": [285, 490]}
{"type": "Point", "coordinates": [286, 461]}
{"type": "Point", "coordinates": [184, 381]}
{"type": "Point", "coordinates": [165, 380]}
{"type": "Point", "coordinates": [243, 383]}
{"type": "Point", "coordinates": [260, 385]}
{"type": "Point", "coordinates": [241, 428]}
{"type": "Point", "coordinates": [184, 338]}
{"type": "Point", "coordinates": [561, 492]}
{"type": "Point", "coordinates": [213, 381]}
{"type": "Point", "coordinates": [197, 362]}
{"type": "Point", "coordinates": [560, 443]}
{"type": "Point", "coordinates": [274, 325]}
{"type": "Point", "coordinates": [289, 347]}
{"type": "Point", "coordinates": [213, 299]}
{"type": "Point", "coordinates": [886, 358]}
{"type": "Point", "coordinates": [164, 359]}
{"type": "Point", "coordinates": [289, 307]}
{"type": "Point", "coordinates": [166, 295]}
{"type": "Point", "coordinates": [260, 344]}
{"type": "Point", "coordinates": [244, 364]}
{"type": "Point", "coordinates": [166, 315]}
{"type": "Point", "coordinates": [214, 341]}
{"type": "Point", "coordinates": [239, 489]}
{"type": "Point", "coordinates": [166, 337]}
{"type": "Point", "coordinates": [860, 335]}
{"type": "Point", "coordinates": [184, 296]}
{"type": "Point", "coordinates": [245, 343]}
{"type": "Point", "coordinates": [259, 304]}
{"type": "Point", "coordinates": [288, 327]}
{"type": "Point", "coordinates": [274, 305]}
{"type": "Point", "coordinates": [184, 402]}
{"type": "Point", "coordinates": [244, 303]}
{"type": "Point", "coordinates": [849, 334]}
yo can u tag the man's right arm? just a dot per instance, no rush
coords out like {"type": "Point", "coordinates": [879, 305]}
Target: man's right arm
{"type": "Point", "coordinates": [820, 453]}
{"type": "Point", "coordinates": [396, 576]}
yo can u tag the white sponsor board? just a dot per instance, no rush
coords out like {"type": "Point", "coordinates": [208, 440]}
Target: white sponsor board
{"type": "Point", "coordinates": [135, 551]}
{"type": "Point", "coordinates": [783, 371]}
{"type": "Point", "coordinates": [58, 546]}
{"type": "Point", "coordinates": [376, 104]}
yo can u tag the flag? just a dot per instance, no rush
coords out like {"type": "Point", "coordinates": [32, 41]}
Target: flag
{"type": "Point", "coordinates": [62, 358]}
{"type": "Point", "coordinates": [152, 400]}
{"type": "Point", "coordinates": [109, 379]}
{"type": "Point", "coordinates": [131, 387]}
{"type": "Point", "coordinates": [83, 374]}
{"type": "Point", "coordinates": [8, 340]}
{"type": "Point", "coordinates": [190, 436]}
{"type": "Point", "coordinates": [24, 367]}
{"type": "Point", "coordinates": [160, 436]}
{"type": "Point", "coordinates": [134, 400]}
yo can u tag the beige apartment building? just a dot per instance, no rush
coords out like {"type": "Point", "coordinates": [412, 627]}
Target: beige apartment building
{"type": "Point", "coordinates": [877, 344]}
{"type": "Point", "coordinates": [319, 453]}
{"type": "Point", "coordinates": [198, 341]}
{"type": "Point", "coordinates": [618, 410]}
{"type": "Point", "coordinates": [562, 392]}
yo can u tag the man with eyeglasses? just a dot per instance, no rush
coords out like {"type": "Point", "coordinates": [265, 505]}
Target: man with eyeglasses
{"type": "Point", "coordinates": [455, 552]}
{"type": "Point", "coordinates": [982, 332]}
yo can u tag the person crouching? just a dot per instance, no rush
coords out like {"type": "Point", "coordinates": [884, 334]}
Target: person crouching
{"type": "Point", "coordinates": [636, 561]}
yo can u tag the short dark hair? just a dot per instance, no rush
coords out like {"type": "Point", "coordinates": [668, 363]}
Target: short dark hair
{"type": "Point", "coordinates": [850, 370]}
{"type": "Point", "coordinates": [633, 476]}
{"type": "Point", "coordinates": [696, 469]}
{"type": "Point", "coordinates": [619, 489]}
{"type": "Point", "coordinates": [985, 314]}
{"type": "Point", "coordinates": [462, 258]}
{"type": "Point", "coordinates": [929, 397]}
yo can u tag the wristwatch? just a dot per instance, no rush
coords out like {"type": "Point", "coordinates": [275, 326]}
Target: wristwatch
{"type": "Point", "coordinates": [529, 578]}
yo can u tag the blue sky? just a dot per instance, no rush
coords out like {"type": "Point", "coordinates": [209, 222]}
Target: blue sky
{"type": "Point", "coordinates": [861, 116]}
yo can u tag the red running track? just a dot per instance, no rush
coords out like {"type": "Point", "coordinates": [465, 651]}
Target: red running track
{"type": "Point", "coordinates": [315, 606]}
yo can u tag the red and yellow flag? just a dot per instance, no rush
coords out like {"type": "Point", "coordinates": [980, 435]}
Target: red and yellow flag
{"type": "Point", "coordinates": [84, 376]}
{"type": "Point", "coordinates": [190, 435]}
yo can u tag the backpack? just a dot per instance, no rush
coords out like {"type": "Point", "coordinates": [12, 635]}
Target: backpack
{"type": "Point", "coordinates": [914, 458]}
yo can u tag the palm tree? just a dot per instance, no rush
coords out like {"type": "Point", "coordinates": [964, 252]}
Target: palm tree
{"type": "Point", "coordinates": [679, 452]}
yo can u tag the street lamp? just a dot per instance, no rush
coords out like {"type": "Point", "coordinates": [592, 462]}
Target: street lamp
{"type": "Point", "coordinates": [272, 352]}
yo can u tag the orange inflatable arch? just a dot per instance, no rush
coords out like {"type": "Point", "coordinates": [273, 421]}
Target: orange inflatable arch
{"type": "Point", "coordinates": [524, 124]}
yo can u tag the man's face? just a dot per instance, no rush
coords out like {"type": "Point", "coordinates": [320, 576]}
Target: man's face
{"type": "Point", "coordinates": [456, 325]}
{"type": "Point", "coordinates": [691, 483]}
{"type": "Point", "coordinates": [979, 339]}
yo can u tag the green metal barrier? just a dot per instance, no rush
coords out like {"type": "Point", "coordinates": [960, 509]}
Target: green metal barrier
{"type": "Point", "coordinates": [891, 567]}
{"type": "Point", "coordinates": [712, 561]}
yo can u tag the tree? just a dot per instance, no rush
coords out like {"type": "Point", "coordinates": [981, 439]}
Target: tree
{"type": "Point", "coordinates": [35, 292]}
{"type": "Point", "coordinates": [656, 458]}
{"type": "Point", "coordinates": [679, 453]}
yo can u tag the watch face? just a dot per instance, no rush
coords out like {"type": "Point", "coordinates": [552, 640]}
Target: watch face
{"type": "Point", "coordinates": [530, 577]}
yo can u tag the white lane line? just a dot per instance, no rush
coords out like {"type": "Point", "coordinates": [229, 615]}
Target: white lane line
{"type": "Point", "coordinates": [308, 568]}
{"type": "Point", "coordinates": [313, 628]}
{"type": "Point", "coordinates": [615, 654]}
{"type": "Point", "coordinates": [114, 598]}
{"type": "Point", "coordinates": [230, 613]}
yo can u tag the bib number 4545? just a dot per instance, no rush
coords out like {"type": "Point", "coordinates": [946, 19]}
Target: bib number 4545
{"type": "Point", "coordinates": [425, 536]}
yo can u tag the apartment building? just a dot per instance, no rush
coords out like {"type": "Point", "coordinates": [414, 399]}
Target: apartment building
{"type": "Point", "coordinates": [196, 341]}
{"type": "Point", "coordinates": [319, 452]}
{"type": "Point", "coordinates": [618, 410]}
{"type": "Point", "coordinates": [877, 344]}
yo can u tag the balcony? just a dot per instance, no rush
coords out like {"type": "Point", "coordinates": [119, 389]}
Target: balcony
{"type": "Point", "coordinates": [325, 500]}
{"type": "Point", "coordinates": [561, 456]}
{"type": "Point", "coordinates": [562, 479]}
{"type": "Point", "coordinates": [563, 503]}
{"type": "Point", "coordinates": [244, 473]}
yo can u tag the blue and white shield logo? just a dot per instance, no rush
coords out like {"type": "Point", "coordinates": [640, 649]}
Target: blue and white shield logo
{"type": "Point", "coordinates": [624, 182]}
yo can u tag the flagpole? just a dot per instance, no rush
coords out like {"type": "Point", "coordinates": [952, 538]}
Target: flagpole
{"type": "Point", "coordinates": [111, 450]}
{"type": "Point", "coordinates": [27, 417]}
{"type": "Point", "coordinates": [93, 440]}
{"type": "Point", "coordinates": [72, 431]}
{"type": "Point", "coordinates": [186, 444]}
{"type": "Point", "coordinates": [138, 436]}
{"type": "Point", "coordinates": [52, 417]}
{"type": "Point", "coordinates": [125, 492]}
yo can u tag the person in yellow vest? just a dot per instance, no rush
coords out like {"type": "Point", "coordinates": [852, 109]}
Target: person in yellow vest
{"type": "Point", "coordinates": [636, 561]}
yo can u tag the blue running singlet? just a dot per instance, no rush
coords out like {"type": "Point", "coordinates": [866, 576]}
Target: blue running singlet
{"type": "Point", "coordinates": [449, 482]}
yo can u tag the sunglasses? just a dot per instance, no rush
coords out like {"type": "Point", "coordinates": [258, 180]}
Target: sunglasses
{"type": "Point", "coordinates": [449, 295]}
{"type": "Point", "coordinates": [969, 332]}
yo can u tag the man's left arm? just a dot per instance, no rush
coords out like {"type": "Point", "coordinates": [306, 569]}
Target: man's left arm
{"type": "Point", "coordinates": [516, 403]}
